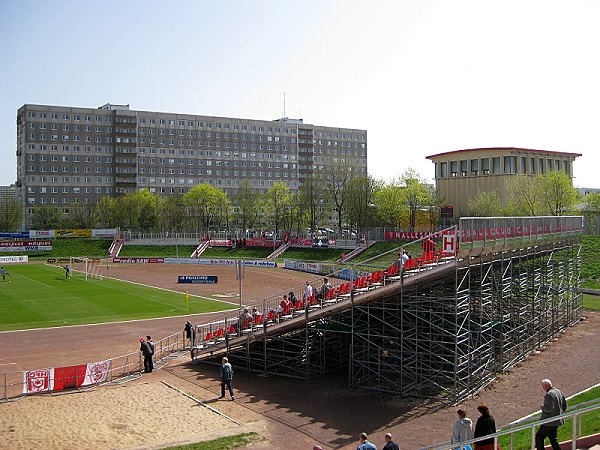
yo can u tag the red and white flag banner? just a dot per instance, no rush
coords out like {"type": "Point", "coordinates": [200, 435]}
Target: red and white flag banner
{"type": "Point", "coordinates": [59, 378]}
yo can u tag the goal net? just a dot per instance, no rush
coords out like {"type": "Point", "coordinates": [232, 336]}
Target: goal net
{"type": "Point", "coordinates": [88, 268]}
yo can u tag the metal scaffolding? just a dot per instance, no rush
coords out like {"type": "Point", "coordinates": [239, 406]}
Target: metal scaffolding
{"type": "Point", "coordinates": [512, 290]}
{"type": "Point", "coordinates": [449, 338]}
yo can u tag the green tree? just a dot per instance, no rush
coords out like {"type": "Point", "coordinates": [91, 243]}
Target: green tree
{"type": "Point", "coordinates": [485, 204]}
{"type": "Point", "coordinates": [336, 179]}
{"type": "Point", "coordinates": [417, 195]}
{"type": "Point", "coordinates": [81, 215]}
{"type": "Point", "coordinates": [11, 215]}
{"type": "Point", "coordinates": [389, 201]}
{"type": "Point", "coordinates": [205, 203]}
{"type": "Point", "coordinates": [104, 213]}
{"type": "Point", "coordinates": [278, 200]}
{"type": "Point", "coordinates": [312, 200]}
{"type": "Point", "coordinates": [45, 217]}
{"type": "Point", "coordinates": [172, 213]}
{"type": "Point", "coordinates": [360, 206]}
{"type": "Point", "coordinates": [247, 204]}
{"type": "Point", "coordinates": [558, 194]}
{"type": "Point", "coordinates": [524, 196]}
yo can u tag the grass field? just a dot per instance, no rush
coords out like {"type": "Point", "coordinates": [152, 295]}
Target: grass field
{"type": "Point", "coordinates": [39, 296]}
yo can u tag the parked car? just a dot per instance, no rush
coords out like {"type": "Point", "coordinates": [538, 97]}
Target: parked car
{"type": "Point", "coordinates": [325, 230]}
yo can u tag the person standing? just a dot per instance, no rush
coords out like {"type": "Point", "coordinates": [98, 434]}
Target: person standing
{"type": "Point", "coordinates": [463, 428]}
{"type": "Point", "coordinates": [364, 443]}
{"type": "Point", "coordinates": [152, 347]}
{"type": "Point", "coordinates": [190, 333]}
{"type": "Point", "coordinates": [554, 405]}
{"type": "Point", "coordinates": [485, 425]}
{"type": "Point", "coordinates": [226, 377]}
{"type": "Point", "coordinates": [3, 273]}
{"type": "Point", "coordinates": [308, 293]}
{"type": "Point", "coordinates": [147, 352]}
{"type": "Point", "coordinates": [67, 272]}
{"type": "Point", "coordinates": [389, 444]}
{"type": "Point", "coordinates": [324, 290]}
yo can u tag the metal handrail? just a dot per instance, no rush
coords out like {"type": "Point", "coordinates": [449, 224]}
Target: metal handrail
{"type": "Point", "coordinates": [574, 415]}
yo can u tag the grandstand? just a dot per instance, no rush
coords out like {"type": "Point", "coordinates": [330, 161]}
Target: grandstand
{"type": "Point", "coordinates": [440, 327]}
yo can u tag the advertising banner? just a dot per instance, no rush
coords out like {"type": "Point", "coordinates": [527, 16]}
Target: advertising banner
{"type": "Point", "coordinates": [104, 232]}
{"type": "Point", "coordinates": [73, 233]}
{"type": "Point", "coordinates": [138, 260]}
{"type": "Point", "coordinates": [220, 243]}
{"type": "Point", "coordinates": [22, 235]}
{"type": "Point", "coordinates": [63, 260]}
{"type": "Point", "coordinates": [59, 378]}
{"type": "Point", "coordinates": [221, 262]}
{"type": "Point", "coordinates": [302, 266]}
{"type": "Point", "coordinates": [41, 380]}
{"type": "Point", "coordinates": [25, 246]}
{"type": "Point", "coordinates": [409, 235]}
{"type": "Point", "coordinates": [41, 234]}
{"type": "Point", "coordinates": [14, 259]}
{"type": "Point", "coordinates": [97, 372]}
{"type": "Point", "coordinates": [198, 279]}
{"type": "Point", "coordinates": [300, 242]}
{"type": "Point", "coordinates": [262, 242]}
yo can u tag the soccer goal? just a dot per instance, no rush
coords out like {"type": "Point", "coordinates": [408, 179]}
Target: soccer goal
{"type": "Point", "coordinates": [88, 268]}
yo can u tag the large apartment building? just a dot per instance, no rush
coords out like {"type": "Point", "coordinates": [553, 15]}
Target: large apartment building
{"type": "Point", "coordinates": [67, 154]}
{"type": "Point", "coordinates": [462, 174]}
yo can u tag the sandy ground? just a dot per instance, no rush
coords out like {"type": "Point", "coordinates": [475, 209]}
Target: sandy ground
{"type": "Point", "coordinates": [289, 414]}
{"type": "Point", "coordinates": [136, 416]}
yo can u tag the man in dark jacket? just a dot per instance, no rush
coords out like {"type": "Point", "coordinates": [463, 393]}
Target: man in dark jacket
{"type": "Point", "coordinates": [226, 377]}
{"type": "Point", "coordinates": [147, 352]}
{"type": "Point", "coordinates": [190, 333]}
{"type": "Point", "coordinates": [554, 405]}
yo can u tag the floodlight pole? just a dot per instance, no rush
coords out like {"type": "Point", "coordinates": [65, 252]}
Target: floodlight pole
{"type": "Point", "coordinates": [239, 274]}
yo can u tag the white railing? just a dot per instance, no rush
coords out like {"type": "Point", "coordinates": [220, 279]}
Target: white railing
{"type": "Point", "coordinates": [576, 417]}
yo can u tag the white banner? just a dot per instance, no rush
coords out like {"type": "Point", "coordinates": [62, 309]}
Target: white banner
{"type": "Point", "coordinates": [37, 234]}
{"type": "Point", "coordinates": [112, 232]}
{"type": "Point", "coordinates": [97, 372]}
{"type": "Point", "coordinates": [221, 262]}
{"type": "Point", "coordinates": [14, 259]}
{"type": "Point", "coordinates": [302, 266]}
{"type": "Point", "coordinates": [38, 381]}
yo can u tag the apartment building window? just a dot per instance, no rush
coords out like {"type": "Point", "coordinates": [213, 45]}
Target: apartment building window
{"type": "Point", "coordinates": [443, 169]}
{"type": "Point", "coordinates": [485, 166]}
{"type": "Point", "coordinates": [453, 168]}
{"type": "Point", "coordinates": [567, 167]}
{"type": "Point", "coordinates": [549, 163]}
{"type": "Point", "coordinates": [463, 168]}
{"type": "Point", "coordinates": [496, 166]}
{"type": "Point", "coordinates": [475, 167]}
{"type": "Point", "coordinates": [540, 165]}
{"type": "Point", "coordinates": [531, 166]}
{"type": "Point", "coordinates": [510, 164]}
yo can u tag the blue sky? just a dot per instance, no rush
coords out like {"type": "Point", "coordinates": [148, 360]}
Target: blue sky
{"type": "Point", "coordinates": [422, 77]}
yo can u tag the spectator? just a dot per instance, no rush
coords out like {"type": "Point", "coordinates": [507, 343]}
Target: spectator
{"type": "Point", "coordinates": [554, 405]}
{"type": "Point", "coordinates": [245, 320]}
{"type": "Point", "coordinates": [324, 290]}
{"type": "Point", "coordinates": [190, 333]}
{"type": "Point", "coordinates": [404, 257]}
{"type": "Point", "coordinates": [286, 306]}
{"type": "Point", "coordinates": [292, 298]}
{"type": "Point", "coordinates": [147, 352]}
{"type": "Point", "coordinates": [485, 425]}
{"type": "Point", "coordinates": [428, 248]}
{"type": "Point", "coordinates": [364, 443]}
{"type": "Point", "coordinates": [308, 293]}
{"type": "Point", "coordinates": [463, 428]}
{"type": "Point", "coordinates": [226, 377]}
{"type": "Point", "coordinates": [389, 444]}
